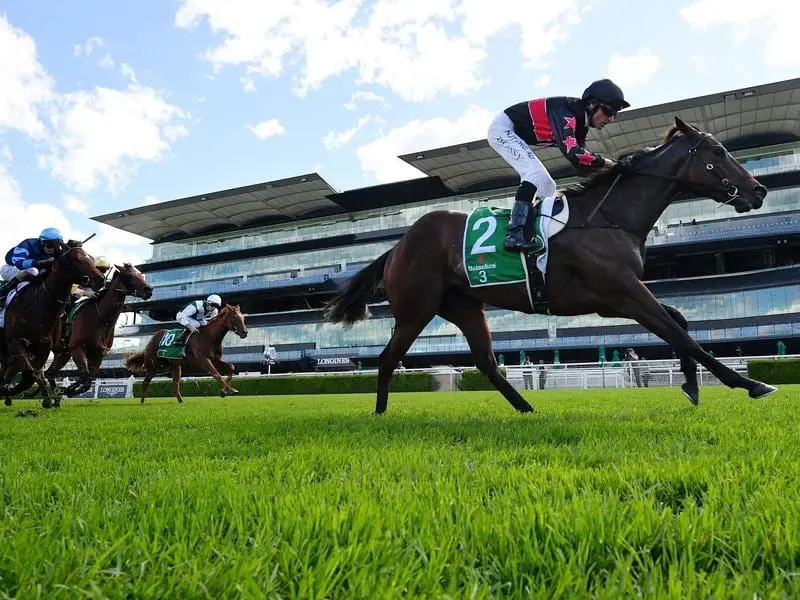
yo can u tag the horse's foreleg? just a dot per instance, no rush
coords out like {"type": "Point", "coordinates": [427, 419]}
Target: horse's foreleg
{"type": "Point", "coordinates": [688, 364]}
{"type": "Point", "coordinates": [467, 314]}
{"type": "Point", "coordinates": [227, 367]}
{"type": "Point", "coordinates": [224, 388]}
{"type": "Point", "coordinates": [635, 301]}
{"type": "Point", "coordinates": [175, 369]}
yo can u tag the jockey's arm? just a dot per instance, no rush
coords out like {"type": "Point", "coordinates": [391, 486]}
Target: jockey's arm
{"type": "Point", "coordinates": [21, 258]}
{"type": "Point", "coordinates": [564, 122]}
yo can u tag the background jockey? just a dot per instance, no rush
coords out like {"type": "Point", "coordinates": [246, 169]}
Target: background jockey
{"type": "Point", "coordinates": [80, 291]}
{"type": "Point", "coordinates": [28, 259]}
{"type": "Point", "coordinates": [197, 313]}
{"type": "Point", "coordinates": [545, 122]}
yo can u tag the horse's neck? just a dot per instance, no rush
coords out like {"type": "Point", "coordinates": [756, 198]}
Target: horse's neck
{"type": "Point", "coordinates": [58, 287]}
{"type": "Point", "coordinates": [109, 306]}
{"type": "Point", "coordinates": [637, 203]}
{"type": "Point", "coordinates": [216, 329]}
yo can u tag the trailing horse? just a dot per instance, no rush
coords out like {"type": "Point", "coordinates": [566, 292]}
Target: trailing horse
{"type": "Point", "coordinates": [91, 330]}
{"type": "Point", "coordinates": [203, 350]}
{"type": "Point", "coordinates": [594, 265]}
{"type": "Point", "coordinates": [33, 319]}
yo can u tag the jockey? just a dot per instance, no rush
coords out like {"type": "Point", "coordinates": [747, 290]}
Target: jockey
{"type": "Point", "coordinates": [545, 122]}
{"type": "Point", "coordinates": [28, 259]}
{"type": "Point", "coordinates": [197, 314]}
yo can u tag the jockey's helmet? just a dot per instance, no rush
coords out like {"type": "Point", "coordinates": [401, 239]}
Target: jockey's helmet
{"type": "Point", "coordinates": [606, 94]}
{"type": "Point", "coordinates": [214, 300]}
{"type": "Point", "coordinates": [101, 264]}
{"type": "Point", "coordinates": [50, 234]}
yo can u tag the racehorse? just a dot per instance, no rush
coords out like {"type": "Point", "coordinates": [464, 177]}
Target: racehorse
{"type": "Point", "coordinates": [595, 263]}
{"type": "Point", "coordinates": [33, 319]}
{"type": "Point", "coordinates": [91, 333]}
{"type": "Point", "coordinates": [203, 351]}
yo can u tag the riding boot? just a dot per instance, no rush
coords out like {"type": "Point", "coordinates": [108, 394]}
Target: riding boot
{"type": "Point", "coordinates": [515, 239]}
{"type": "Point", "coordinates": [5, 290]}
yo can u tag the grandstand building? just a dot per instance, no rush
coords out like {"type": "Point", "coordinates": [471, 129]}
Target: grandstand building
{"type": "Point", "coordinates": [280, 249]}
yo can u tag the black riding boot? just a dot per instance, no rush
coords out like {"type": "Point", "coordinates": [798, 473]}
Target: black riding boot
{"type": "Point", "coordinates": [515, 239]}
{"type": "Point", "coordinates": [5, 290]}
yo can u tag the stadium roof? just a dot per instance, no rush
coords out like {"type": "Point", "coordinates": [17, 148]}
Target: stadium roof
{"type": "Point", "coordinates": [745, 118]}
{"type": "Point", "coordinates": [749, 117]}
{"type": "Point", "coordinates": [259, 204]}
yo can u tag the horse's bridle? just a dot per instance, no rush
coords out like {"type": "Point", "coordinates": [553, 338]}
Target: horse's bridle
{"type": "Point", "coordinates": [731, 190]}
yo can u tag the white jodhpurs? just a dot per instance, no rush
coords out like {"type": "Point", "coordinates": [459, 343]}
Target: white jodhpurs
{"type": "Point", "coordinates": [520, 156]}
{"type": "Point", "coordinates": [7, 272]}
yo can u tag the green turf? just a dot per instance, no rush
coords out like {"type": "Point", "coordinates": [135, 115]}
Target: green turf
{"type": "Point", "coordinates": [605, 494]}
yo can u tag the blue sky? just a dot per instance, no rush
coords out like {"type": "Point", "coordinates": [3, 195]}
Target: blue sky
{"type": "Point", "coordinates": [107, 109]}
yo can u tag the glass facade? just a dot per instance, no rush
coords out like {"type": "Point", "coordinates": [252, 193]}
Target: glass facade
{"type": "Point", "coordinates": [769, 160]}
{"type": "Point", "coordinates": [376, 332]}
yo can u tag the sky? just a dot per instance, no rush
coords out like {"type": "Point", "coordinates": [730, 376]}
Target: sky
{"type": "Point", "coordinates": [109, 105]}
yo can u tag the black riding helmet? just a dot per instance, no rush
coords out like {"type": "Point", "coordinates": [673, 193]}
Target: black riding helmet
{"type": "Point", "coordinates": [607, 93]}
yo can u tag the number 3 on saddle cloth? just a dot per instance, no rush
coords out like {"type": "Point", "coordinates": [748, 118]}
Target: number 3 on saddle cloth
{"type": "Point", "coordinates": [487, 263]}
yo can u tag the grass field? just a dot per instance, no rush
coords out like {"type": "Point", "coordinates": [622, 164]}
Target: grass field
{"type": "Point", "coordinates": [608, 494]}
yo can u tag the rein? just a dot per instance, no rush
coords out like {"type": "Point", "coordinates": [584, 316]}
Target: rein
{"type": "Point", "coordinates": [732, 190]}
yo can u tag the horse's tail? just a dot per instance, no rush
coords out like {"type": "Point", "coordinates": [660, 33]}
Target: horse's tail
{"type": "Point", "coordinates": [350, 305]}
{"type": "Point", "coordinates": [135, 362]}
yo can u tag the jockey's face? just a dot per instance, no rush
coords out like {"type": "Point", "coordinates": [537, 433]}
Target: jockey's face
{"type": "Point", "coordinates": [602, 116]}
{"type": "Point", "coordinates": [49, 247]}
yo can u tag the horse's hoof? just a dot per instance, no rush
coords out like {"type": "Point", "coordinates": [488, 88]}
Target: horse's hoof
{"type": "Point", "coordinates": [693, 394]}
{"type": "Point", "coordinates": [47, 404]}
{"type": "Point", "coordinates": [222, 393]}
{"type": "Point", "coordinates": [233, 391]}
{"type": "Point", "coordinates": [7, 401]}
{"type": "Point", "coordinates": [762, 390]}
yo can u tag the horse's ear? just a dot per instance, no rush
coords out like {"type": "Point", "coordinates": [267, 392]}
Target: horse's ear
{"type": "Point", "coordinates": [684, 127]}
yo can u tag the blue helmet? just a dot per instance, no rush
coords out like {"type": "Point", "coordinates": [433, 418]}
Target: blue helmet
{"type": "Point", "coordinates": [51, 234]}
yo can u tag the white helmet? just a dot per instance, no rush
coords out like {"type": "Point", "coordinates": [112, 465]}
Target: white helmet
{"type": "Point", "coordinates": [214, 300]}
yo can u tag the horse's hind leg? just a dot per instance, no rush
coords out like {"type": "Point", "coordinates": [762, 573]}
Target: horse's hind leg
{"type": "Point", "coordinates": [175, 368]}
{"type": "Point", "coordinates": [688, 364]}
{"type": "Point", "coordinates": [146, 384]}
{"type": "Point", "coordinates": [404, 334]}
{"type": "Point", "coordinates": [467, 314]}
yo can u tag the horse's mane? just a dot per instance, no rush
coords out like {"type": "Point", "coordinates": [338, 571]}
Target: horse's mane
{"type": "Point", "coordinates": [624, 162]}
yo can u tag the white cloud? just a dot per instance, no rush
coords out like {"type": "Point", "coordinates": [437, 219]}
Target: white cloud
{"type": "Point", "coordinates": [379, 157]}
{"type": "Point", "coordinates": [417, 48]}
{"type": "Point", "coordinates": [334, 139]}
{"type": "Point", "coordinates": [148, 200]}
{"type": "Point", "coordinates": [267, 129]}
{"type": "Point", "coordinates": [542, 80]}
{"type": "Point", "coordinates": [364, 97]}
{"type": "Point", "coordinates": [772, 21]}
{"type": "Point", "coordinates": [93, 136]}
{"type": "Point", "coordinates": [75, 204]}
{"type": "Point", "coordinates": [89, 46]}
{"type": "Point", "coordinates": [24, 83]}
{"type": "Point", "coordinates": [22, 220]}
{"type": "Point", "coordinates": [103, 135]}
{"type": "Point", "coordinates": [247, 84]}
{"type": "Point", "coordinates": [634, 69]}
{"type": "Point", "coordinates": [106, 62]}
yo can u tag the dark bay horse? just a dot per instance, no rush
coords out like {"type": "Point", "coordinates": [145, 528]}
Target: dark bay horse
{"type": "Point", "coordinates": [91, 333]}
{"type": "Point", "coordinates": [203, 351]}
{"type": "Point", "coordinates": [595, 263]}
{"type": "Point", "coordinates": [33, 319]}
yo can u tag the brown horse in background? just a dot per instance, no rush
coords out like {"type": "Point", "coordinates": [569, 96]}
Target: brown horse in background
{"type": "Point", "coordinates": [33, 319]}
{"type": "Point", "coordinates": [595, 263]}
{"type": "Point", "coordinates": [91, 333]}
{"type": "Point", "coordinates": [203, 351]}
